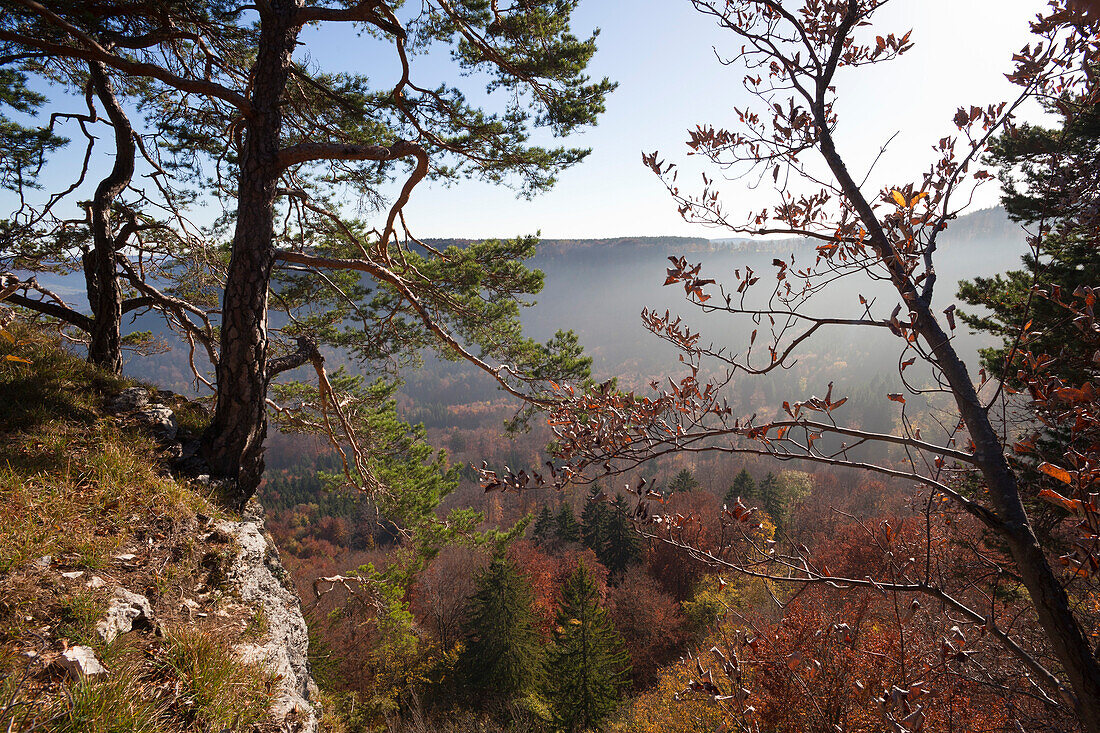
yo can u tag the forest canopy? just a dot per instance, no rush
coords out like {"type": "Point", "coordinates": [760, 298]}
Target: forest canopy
{"type": "Point", "coordinates": [827, 486]}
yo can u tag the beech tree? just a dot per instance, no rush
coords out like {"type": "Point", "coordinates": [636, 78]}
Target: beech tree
{"type": "Point", "coordinates": [796, 58]}
{"type": "Point", "coordinates": [233, 71]}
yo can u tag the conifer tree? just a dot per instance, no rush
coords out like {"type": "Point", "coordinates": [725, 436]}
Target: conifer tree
{"type": "Point", "coordinates": [1048, 176]}
{"type": "Point", "coordinates": [303, 138]}
{"type": "Point", "coordinates": [502, 654]}
{"type": "Point", "coordinates": [587, 665]}
{"type": "Point", "coordinates": [779, 494]}
{"type": "Point", "coordinates": [743, 486]}
{"type": "Point", "coordinates": [768, 495]}
{"type": "Point", "coordinates": [620, 548]}
{"type": "Point", "coordinates": [544, 527]}
{"type": "Point", "coordinates": [568, 529]}
{"type": "Point", "coordinates": [683, 481]}
{"type": "Point", "coordinates": [594, 521]}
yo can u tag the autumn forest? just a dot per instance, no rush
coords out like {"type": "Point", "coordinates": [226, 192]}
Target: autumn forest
{"type": "Point", "coordinates": [823, 457]}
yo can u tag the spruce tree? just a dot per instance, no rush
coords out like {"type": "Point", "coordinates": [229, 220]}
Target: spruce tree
{"type": "Point", "coordinates": [502, 654]}
{"type": "Point", "coordinates": [568, 529]}
{"type": "Point", "coordinates": [683, 481]}
{"type": "Point", "coordinates": [768, 495]}
{"type": "Point", "coordinates": [621, 547]}
{"type": "Point", "coordinates": [544, 528]}
{"type": "Point", "coordinates": [779, 494]}
{"type": "Point", "coordinates": [587, 665]}
{"type": "Point", "coordinates": [594, 521]}
{"type": "Point", "coordinates": [743, 486]}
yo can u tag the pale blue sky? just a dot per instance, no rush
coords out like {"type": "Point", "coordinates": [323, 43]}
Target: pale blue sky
{"type": "Point", "coordinates": [660, 52]}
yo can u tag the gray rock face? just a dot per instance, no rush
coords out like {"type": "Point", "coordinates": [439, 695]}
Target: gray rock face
{"type": "Point", "coordinates": [156, 417]}
{"type": "Point", "coordinates": [160, 421]}
{"type": "Point", "coordinates": [80, 661]}
{"type": "Point", "coordinates": [130, 399]}
{"type": "Point", "coordinates": [254, 574]}
{"type": "Point", "coordinates": [126, 611]}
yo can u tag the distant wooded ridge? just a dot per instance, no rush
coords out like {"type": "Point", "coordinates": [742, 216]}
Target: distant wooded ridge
{"type": "Point", "coordinates": [991, 223]}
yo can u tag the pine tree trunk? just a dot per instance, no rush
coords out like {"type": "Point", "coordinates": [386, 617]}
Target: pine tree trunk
{"type": "Point", "coordinates": [233, 444]}
{"type": "Point", "coordinates": [104, 292]}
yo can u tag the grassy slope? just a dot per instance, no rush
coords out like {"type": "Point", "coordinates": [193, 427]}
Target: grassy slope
{"type": "Point", "coordinates": [78, 488]}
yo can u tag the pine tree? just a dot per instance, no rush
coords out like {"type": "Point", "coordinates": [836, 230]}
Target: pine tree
{"type": "Point", "coordinates": [1048, 177]}
{"type": "Point", "coordinates": [502, 654]}
{"type": "Point", "coordinates": [305, 139]}
{"type": "Point", "coordinates": [544, 528]}
{"type": "Point", "coordinates": [568, 529]}
{"type": "Point", "coordinates": [594, 521]}
{"type": "Point", "coordinates": [621, 547]}
{"type": "Point", "coordinates": [683, 481]}
{"type": "Point", "coordinates": [587, 665]}
{"type": "Point", "coordinates": [743, 486]}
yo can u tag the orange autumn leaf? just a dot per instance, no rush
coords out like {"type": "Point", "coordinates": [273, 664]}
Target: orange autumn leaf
{"type": "Point", "coordinates": [1070, 505]}
{"type": "Point", "coordinates": [1056, 472]}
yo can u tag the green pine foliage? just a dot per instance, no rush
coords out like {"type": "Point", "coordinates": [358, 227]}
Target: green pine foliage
{"type": "Point", "coordinates": [1041, 170]}
{"type": "Point", "coordinates": [779, 494]}
{"type": "Point", "coordinates": [545, 528]}
{"type": "Point", "coordinates": [22, 148]}
{"type": "Point", "coordinates": [621, 547]}
{"type": "Point", "coordinates": [744, 486]}
{"type": "Point", "coordinates": [607, 531]}
{"type": "Point", "coordinates": [1048, 177]}
{"type": "Point", "coordinates": [502, 655]}
{"type": "Point", "coordinates": [568, 529]}
{"type": "Point", "coordinates": [683, 481]}
{"type": "Point", "coordinates": [587, 666]}
{"type": "Point", "coordinates": [768, 494]}
{"type": "Point", "coordinates": [594, 521]}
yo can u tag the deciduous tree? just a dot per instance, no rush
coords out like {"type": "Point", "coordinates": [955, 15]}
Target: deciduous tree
{"type": "Point", "coordinates": [796, 59]}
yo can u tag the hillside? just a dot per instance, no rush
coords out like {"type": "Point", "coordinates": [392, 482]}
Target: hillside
{"type": "Point", "coordinates": [128, 600]}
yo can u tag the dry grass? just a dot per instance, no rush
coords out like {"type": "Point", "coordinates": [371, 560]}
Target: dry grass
{"type": "Point", "coordinates": [71, 478]}
{"type": "Point", "coordinates": [213, 686]}
{"type": "Point", "coordinates": [85, 494]}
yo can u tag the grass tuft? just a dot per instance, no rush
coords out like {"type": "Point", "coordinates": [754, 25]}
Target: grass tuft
{"type": "Point", "coordinates": [219, 691]}
{"type": "Point", "coordinates": [70, 477]}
